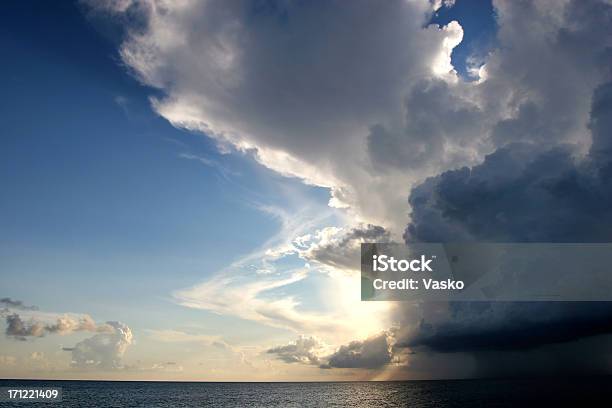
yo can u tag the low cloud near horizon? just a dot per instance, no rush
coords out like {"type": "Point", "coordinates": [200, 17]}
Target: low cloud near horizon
{"type": "Point", "coordinates": [104, 350]}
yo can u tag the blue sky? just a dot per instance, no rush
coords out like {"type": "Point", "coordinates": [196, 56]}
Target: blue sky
{"type": "Point", "coordinates": [99, 208]}
{"type": "Point", "coordinates": [479, 28]}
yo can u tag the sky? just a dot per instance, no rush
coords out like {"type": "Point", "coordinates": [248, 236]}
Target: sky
{"type": "Point", "coordinates": [186, 184]}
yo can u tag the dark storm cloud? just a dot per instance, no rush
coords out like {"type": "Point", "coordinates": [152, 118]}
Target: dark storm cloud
{"type": "Point", "coordinates": [521, 193]}
{"type": "Point", "coordinates": [524, 193]}
{"type": "Point", "coordinates": [481, 326]}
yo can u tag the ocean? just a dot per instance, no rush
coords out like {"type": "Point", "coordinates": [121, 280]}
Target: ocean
{"type": "Point", "coordinates": [442, 393]}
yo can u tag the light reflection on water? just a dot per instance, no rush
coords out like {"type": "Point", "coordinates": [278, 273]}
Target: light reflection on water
{"type": "Point", "coordinates": [485, 393]}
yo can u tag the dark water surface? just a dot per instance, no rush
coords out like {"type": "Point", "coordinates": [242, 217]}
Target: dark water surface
{"type": "Point", "coordinates": [456, 393]}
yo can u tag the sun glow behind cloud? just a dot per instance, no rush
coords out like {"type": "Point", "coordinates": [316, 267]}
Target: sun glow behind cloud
{"type": "Point", "coordinates": [324, 300]}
